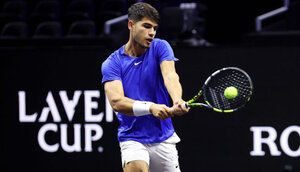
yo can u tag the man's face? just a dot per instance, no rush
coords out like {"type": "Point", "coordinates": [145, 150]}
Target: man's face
{"type": "Point", "coordinates": [144, 31]}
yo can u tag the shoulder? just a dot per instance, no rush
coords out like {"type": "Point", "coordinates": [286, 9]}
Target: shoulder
{"type": "Point", "coordinates": [113, 57]}
{"type": "Point", "coordinates": [163, 50]}
{"type": "Point", "coordinates": [161, 44]}
{"type": "Point", "coordinates": [112, 61]}
{"type": "Point", "coordinates": [158, 41]}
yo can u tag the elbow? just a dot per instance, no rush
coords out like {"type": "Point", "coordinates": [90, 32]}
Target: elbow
{"type": "Point", "coordinates": [115, 104]}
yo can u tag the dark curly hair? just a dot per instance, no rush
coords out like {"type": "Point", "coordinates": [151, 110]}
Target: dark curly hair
{"type": "Point", "coordinates": [139, 10]}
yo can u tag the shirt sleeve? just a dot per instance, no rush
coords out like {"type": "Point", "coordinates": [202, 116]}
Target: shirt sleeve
{"type": "Point", "coordinates": [165, 51]}
{"type": "Point", "coordinates": [111, 70]}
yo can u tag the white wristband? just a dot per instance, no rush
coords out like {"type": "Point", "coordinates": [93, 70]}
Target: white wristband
{"type": "Point", "coordinates": [141, 108]}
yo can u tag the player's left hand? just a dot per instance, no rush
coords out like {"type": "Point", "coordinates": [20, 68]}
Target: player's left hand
{"type": "Point", "coordinates": [179, 108]}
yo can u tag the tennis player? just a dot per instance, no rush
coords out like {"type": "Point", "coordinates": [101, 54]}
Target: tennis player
{"type": "Point", "coordinates": [138, 79]}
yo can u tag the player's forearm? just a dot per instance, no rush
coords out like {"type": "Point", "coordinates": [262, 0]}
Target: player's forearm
{"type": "Point", "coordinates": [139, 108]}
{"type": "Point", "coordinates": [122, 105]}
{"type": "Point", "coordinates": [173, 86]}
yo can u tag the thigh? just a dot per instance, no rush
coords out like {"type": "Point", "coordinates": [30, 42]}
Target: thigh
{"type": "Point", "coordinates": [134, 155]}
{"type": "Point", "coordinates": [164, 158]}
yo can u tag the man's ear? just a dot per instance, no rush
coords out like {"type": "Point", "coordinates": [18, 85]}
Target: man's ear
{"type": "Point", "coordinates": [130, 24]}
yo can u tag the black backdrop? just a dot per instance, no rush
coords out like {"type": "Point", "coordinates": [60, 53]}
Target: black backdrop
{"type": "Point", "coordinates": [210, 141]}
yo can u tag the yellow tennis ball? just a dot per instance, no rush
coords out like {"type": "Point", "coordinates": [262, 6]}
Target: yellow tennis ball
{"type": "Point", "coordinates": [230, 92]}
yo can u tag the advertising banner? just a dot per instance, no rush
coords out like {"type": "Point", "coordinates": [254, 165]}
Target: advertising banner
{"type": "Point", "coordinates": [56, 117]}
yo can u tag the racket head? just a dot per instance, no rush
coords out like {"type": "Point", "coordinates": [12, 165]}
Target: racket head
{"type": "Point", "coordinates": [215, 85]}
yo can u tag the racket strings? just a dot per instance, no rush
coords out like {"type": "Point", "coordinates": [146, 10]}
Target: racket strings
{"type": "Point", "coordinates": [218, 83]}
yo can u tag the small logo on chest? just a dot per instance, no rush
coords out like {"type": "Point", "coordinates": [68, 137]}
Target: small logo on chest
{"type": "Point", "coordinates": [137, 63]}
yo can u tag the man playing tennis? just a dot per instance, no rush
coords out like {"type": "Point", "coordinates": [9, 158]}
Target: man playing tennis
{"type": "Point", "coordinates": [138, 79]}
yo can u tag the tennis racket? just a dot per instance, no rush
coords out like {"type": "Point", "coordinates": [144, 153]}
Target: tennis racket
{"type": "Point", "coordinates": [213, 90]}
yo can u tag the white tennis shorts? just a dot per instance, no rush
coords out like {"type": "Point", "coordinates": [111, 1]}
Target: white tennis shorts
{"type": "Point", "coordinates": [160, 157]}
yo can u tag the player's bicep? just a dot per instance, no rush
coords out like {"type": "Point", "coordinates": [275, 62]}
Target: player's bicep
{"type": "Point", "coordinates": [115, 94]}
{"type": "Point", "coordinates": [114, 91]}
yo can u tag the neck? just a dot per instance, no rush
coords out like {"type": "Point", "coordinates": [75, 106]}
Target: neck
{"type": "Point", "coordinates": [133, 49]}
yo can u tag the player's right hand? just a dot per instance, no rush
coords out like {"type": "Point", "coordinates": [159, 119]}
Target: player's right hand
{"type": "Point", "coordinates": [179, 108]}
{"type": "Point", "coordinates": [161, 111]}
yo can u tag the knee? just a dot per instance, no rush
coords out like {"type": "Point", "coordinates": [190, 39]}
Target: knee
{"type": "Point", "coordinates": [136, 166]}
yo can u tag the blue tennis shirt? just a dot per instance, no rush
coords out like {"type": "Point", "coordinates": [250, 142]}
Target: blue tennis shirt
{"type": "Point", "coordinates": [142, 80]}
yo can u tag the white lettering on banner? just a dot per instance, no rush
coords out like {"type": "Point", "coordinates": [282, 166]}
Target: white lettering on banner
{"type": "Point", "coordinates": [76, 147]}
{"type": "Point", "coordinates": [109, 114]}
{"type": "Point", "coordinates": [92, 132]}
{"type": "Point", "coordinates": [88, 135]}
{"type": "Point", "coordinates": [284, 141]}
{"type": "Point", "coordinates": [23, 117]}
{"type": "Point", "coordinates": [258, 140]}
{"type": "Point", "coordinates": [70, 105]}
{"type": "Point", "coordinates": [90, 105]}
{"type": "Point", "coordinates": [41, 138]}
{"type": "Point", "coordinates": [52, 108]}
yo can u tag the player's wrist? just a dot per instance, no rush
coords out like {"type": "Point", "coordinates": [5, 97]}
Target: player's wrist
{"type": "Point", "coordinates": [178, 101]}
{"type": "Point", "coordinates": [141, 108]}
{"type": "Point", "coordinates": [151, 108]}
